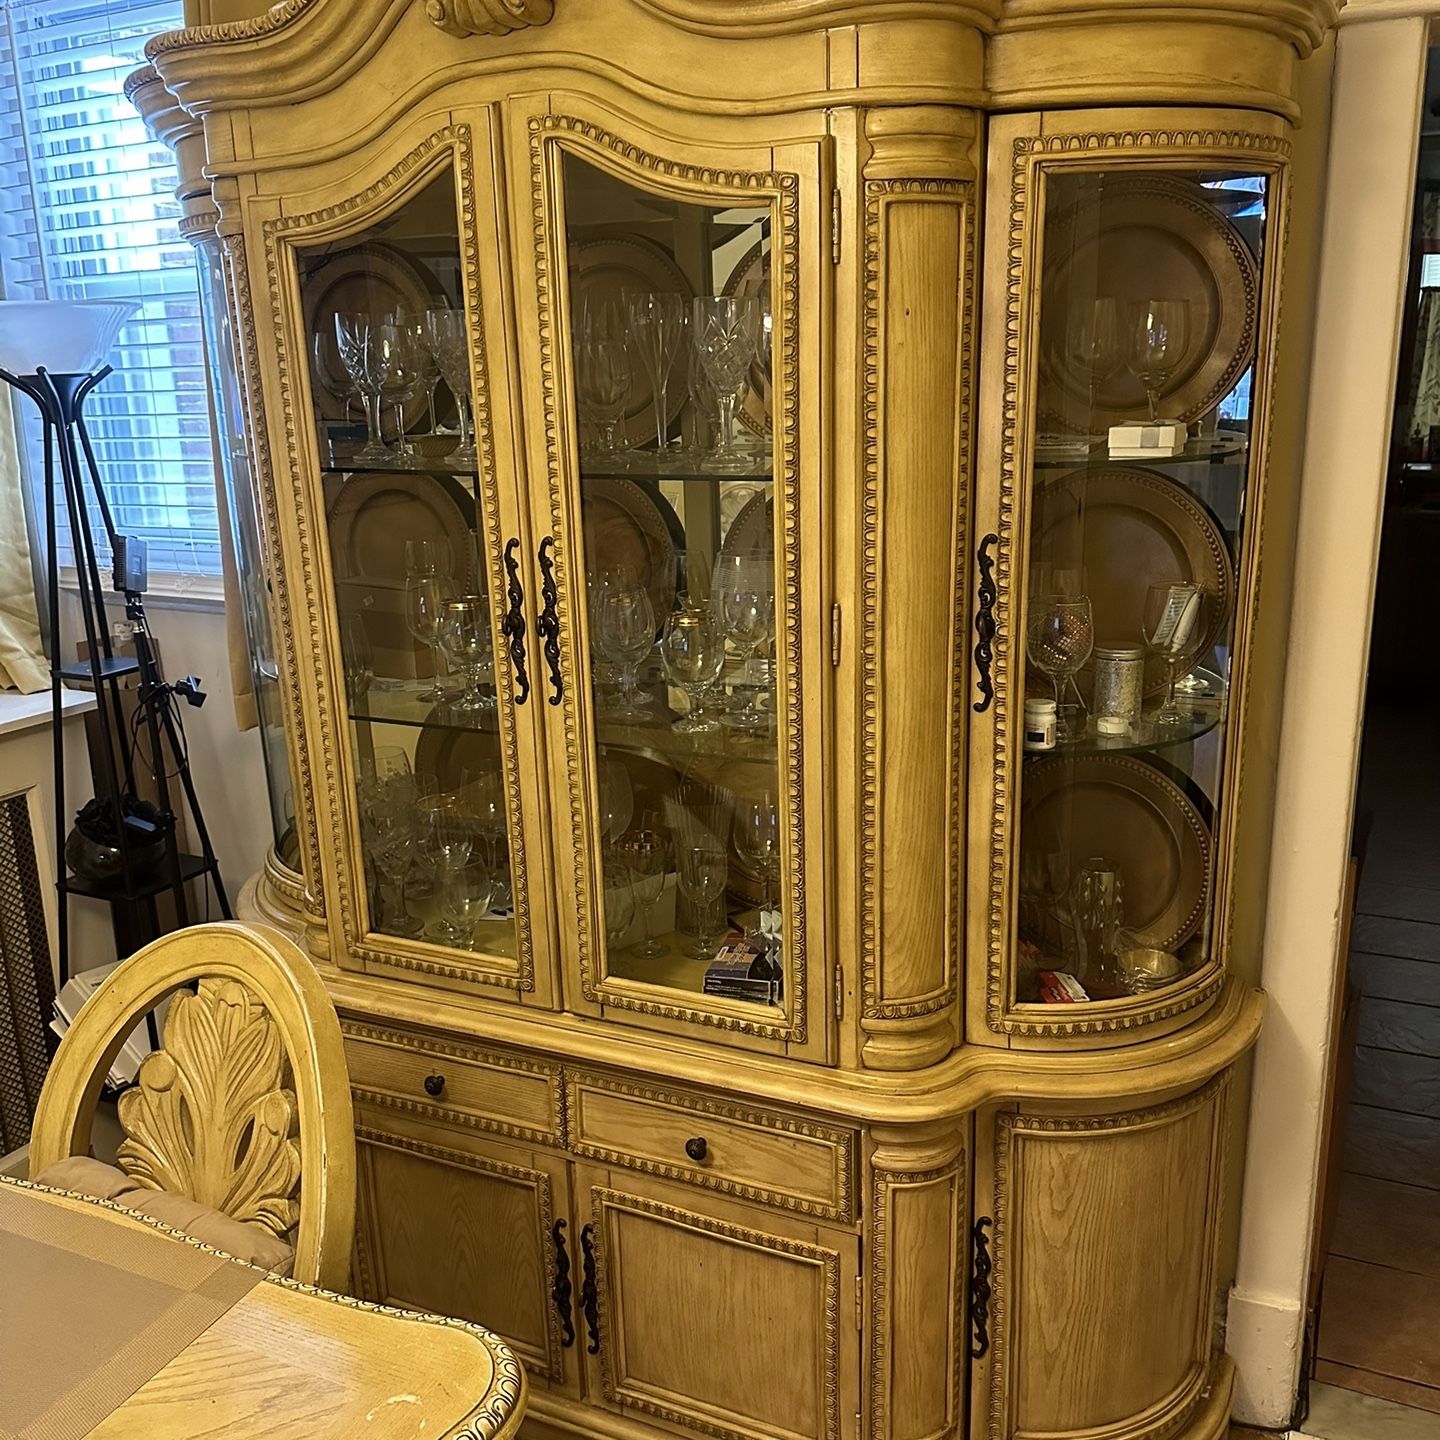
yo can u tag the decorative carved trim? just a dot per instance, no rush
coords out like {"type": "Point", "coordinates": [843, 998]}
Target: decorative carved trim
{"type": "Point", "coordinates": [269, 22]}
{"type": "Point", "coordinates": [827, 1260]}
{"type": "Point", "coordinates": [879, 194]}
{"type": "Point", "coordinates": [1008, 1125]}
{"type": "Point", "coordinates": [841, 1141]}
{"type": "Point", "coordinates": [751, 19]}
{"type": "Point", "coordinates": [553, 1367]}
{"type": "Point", "coordinates": [1029, 152]}
{"type": "Point", "coordinates": [283, 879]}
{"type": "Point", "coordinates": [451, 144]}
{"type": "Point", "coordinates": [484, 1422]}
{"type": "Point", "coordinates": [487, 17]}
{"type": "Point", "coordinates": [783, 188]}
{"type": "Point", "coordinates": [882, 1329]}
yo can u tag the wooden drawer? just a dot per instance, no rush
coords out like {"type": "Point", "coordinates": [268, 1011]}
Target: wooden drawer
{"type": "Point", "coordinates": [499, 1093]}
{"type": "Point", "coordinates": [763, 1155]}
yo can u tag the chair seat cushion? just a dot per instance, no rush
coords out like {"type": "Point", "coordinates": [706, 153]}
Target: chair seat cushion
{"type": "Point", "coordinates": [85, 1176]}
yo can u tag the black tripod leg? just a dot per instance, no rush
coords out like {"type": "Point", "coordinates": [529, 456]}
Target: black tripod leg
{"type": "Point", "coordinates": [187, 784]}
{"type": "Point", "coordinates": [52, 580]}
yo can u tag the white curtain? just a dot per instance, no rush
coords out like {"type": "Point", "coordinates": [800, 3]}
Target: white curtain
{"type": "Point", "coordinates": [23, 666]}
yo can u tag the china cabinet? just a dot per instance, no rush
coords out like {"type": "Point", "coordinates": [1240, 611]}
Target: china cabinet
{"type": "Point", "coordinates": [759, 568]}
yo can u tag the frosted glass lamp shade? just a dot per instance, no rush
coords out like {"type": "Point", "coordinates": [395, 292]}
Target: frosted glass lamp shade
{"type": "Point", "coordinates": [66, 337]}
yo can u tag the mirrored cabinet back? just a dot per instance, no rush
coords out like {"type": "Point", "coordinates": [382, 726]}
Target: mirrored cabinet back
{"type": "Point", "coordinates": [751, 522]}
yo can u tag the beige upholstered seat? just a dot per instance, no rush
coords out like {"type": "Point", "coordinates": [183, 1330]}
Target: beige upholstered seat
{"type": "Point", "coordinates": [244, 1115]}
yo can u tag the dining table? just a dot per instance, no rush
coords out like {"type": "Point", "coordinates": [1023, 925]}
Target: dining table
{"type": "Point", "coordinates": [116, 1327]}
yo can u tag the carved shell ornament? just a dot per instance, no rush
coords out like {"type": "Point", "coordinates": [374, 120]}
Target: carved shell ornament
{"type": "Point", "coordinates": [487, 17]}
{"type": "Point", "coordinates": [211, 1116]}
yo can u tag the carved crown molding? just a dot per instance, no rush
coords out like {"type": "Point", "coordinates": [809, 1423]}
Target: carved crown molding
{"type": "Point", "coordinates": [749, 19]}
{"type": "Point", "coordinates": [487, 17]}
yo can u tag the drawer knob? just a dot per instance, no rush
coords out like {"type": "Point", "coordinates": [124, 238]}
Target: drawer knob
{"type": "Point", "coordinates": [697, 1149]}
{"type": "Point", "coordinates": [435, 1085]}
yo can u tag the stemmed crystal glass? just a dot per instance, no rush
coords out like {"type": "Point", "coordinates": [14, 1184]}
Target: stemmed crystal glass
{"type": "Point", "coordinates": [465, 638]}
{"type": "Point", "coordinates": [602, 369]}
{"type": "Point", "coordinates": [619, 900]}
{"type": "Point", "coordinates": [657, 332]}
{"type": "Point", "coordinates": [446, 842]}
{"type": "Point", "coordinates": [701, 872]}
{"type": "Point", "coordinates": [1172, 612]}
{"type": "Point", "coordinates": [388, 795]}
{"type": "Point", "coordinates": [705, 433]}
{"type": "Point", "coordinates": [725, 332]}
{"type": "Point", "coordinates": [744, 599]}
{"type": "Point", "coordinates": [399, 386]}
{"type": "Point", "coordinates": [358, 659]}
{"type": "Point", "coordinates": [363, 356]}
{"type": "Point", "coordinates": [693, 651]}
{"type": "Point", "coordinates": [428, 589]}
{"type": "Point", "coordinates": [482, 792]}
{"type": "Point", "coordinates": [450, 345]}
{"type": "Point", "coordinates": [1158, 339]}
{"type": "Point", "coordinates": [1059, 636]}
{"type": "Point", "coordinates": [644, 853]}
{"type": "Point", "coordinates": [758, 844]}
{"type": "Point", "coordinates": [330, 370]}
{"type": "Point", "coordinates": [626, 634]}
{"type": "Point", "coordinates": [419, 357]}
{"type": "Point", "coordinates": [617, 801]}
{"type": "Point", "coordinates": [1092, 343]}
{"type": "Point", "coordinates": [466, 899]}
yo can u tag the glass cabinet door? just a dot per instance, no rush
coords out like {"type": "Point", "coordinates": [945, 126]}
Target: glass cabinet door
{"type": "Point", "coordinates": [1132, 601]}
{"type": "Point", "coordinates": [391, 354]}
{"type": "Point", "coordinates": [683, 611]}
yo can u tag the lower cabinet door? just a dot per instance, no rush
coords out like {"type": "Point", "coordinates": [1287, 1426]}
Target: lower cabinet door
{"type": "Point", "coordinates": [465, 1227]}
{"type": "Point", "coordinates": [717, 1317]}
{"type": "Point", "coordinates": [1101, 1231]}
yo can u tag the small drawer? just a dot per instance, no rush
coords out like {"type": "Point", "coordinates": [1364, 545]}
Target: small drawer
{"type": "Point", "coordinates": [763, 1155]}
{"type": "Point", "coordinates": [500, 1093]}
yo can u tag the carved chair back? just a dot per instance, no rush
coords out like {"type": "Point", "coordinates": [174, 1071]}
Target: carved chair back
{"type": "Point", "coordinates": [246, 1109]}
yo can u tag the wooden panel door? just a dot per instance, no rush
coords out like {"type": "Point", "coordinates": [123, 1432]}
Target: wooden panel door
{"type": "Point", "coordinates": [471, 1229]}
{"type": "Point", "coordinates": [722, 1319]}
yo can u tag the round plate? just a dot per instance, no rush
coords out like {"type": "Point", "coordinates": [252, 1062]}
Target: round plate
{"type": "Point", "coordinates": [1130, 528]}
{"type": "Point", "coordinates": [445, 751]}
{"type": "Point", "coordinates": [1149, 827]}
{"type": "Point", "coordinates": [624, 528]}
{"type": "Point", "coordinates": [611, 270]}
{"type": "Point", "coordinates": [373, 277]}
{"type": "Point", "coordinates": [752, 531]}
{"type": "Point", "coordinates": [751, 277]}
{"type": "Point", "coordinates": [1137, 238]}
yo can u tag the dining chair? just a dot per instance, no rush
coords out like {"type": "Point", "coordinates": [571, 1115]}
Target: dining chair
{"type": "Point", "coordinates": [239, 1130]}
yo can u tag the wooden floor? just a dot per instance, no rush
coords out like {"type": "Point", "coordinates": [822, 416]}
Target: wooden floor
{"type": "Point", "coordinates": [1380, 1307]}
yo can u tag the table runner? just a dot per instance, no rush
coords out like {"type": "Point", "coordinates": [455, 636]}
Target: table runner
{"type": "Point", "coordinates": [91, 1309]}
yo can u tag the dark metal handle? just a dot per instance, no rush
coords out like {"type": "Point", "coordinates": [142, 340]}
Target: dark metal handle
{"type": "Point", "coordinates": [548, 625]}
{"type": "Point", "coordinates": [435, 1085]}
{"type": "Point", "coordinates": [985, 623]}
{"type": "Point", "coordinates": [697, 1149]}
{"type": "Point", "coordinates": [513, 627]}
{"type": "Point", "coordinates": [590, 1290]}
{"type": "Point", "coordinates": [980, 1289]}
{"type": "Point", "coordinates": [560, 1292]}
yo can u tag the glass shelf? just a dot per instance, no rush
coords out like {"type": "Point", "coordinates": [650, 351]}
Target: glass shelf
{"type": "Point", "coordinates": [1143, 738]}
{"type": "Point", "coordinates": [597, 470]}
{"type": "Point", "coordinates": [438, 468]}
{"type": "Point", "coordinates": [1092, 453]}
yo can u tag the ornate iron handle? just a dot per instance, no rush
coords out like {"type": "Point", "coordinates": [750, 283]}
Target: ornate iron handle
{"type": "Point", "coordinates": [590, 1290]}
{"type": "Point", "coordinates": [548, 625]}
{"type": "Point", "coordinates": [980, 1268]}
{"type": "Point", "coordinates": [435, 1086]}
{"type": "Point", "coordinates": [514, 626]}
{"type": "Point", "coordinates": [560, 1292]}
{"type": "Point", "coordinates": [985, 623]}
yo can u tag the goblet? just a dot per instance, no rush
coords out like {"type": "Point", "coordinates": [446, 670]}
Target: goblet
{"type": "Point", "coordinates": [1158, 339]}
{"type": "Point", "coordinates": [657, 331]}
{"type": "Point", "coordinates": [626, 634]}
{"type": "Point", "coordinates": [446, 840]}
{"type": "Point", "coordinates": [394, 851]}
{"type": "Point", "coordinates": [617, 801]}
{"type": "Point", "coordinates": [1092, 343]}
{"type": "Point", "coordinates": [465, 900]}
{"type": "Point", "coordinates": [358, 659]}
{"type": "Point", "coordinates": [725, 333]}
{"type": "Point", "coordinates": [401, 384]}
{"type": "Point", "coordinates": [602, 370]}
{"type": "Point", "coordinates": [363, 357]}
{"type": "Point", "coordinates": [619, 900]}
{"type": "Point", "coordinates": [744, 597]}
{"type": "Point", "coordinates": [1172, 612]}
{"type": "Point", "coordinates": [419, 357]}
{"type": "Point", "coordinates": [465, 638]}
{"type": "Point", "coordinates": [758, 844]}
{"type": "Point", "coordinates": [701, 872]}
{"type": "Point", "coordinates": [426, 595]}
{"type": "Point", "coordinates": [482, 796]}
{"type": "Point", "coordinates": [693, 651]}
{"type": "Point", "coordinates": [643, 852]}
{"type": "Point", "coordinates": [1059, 635]}
{"type": "Point", "coordinates": [450, 345]}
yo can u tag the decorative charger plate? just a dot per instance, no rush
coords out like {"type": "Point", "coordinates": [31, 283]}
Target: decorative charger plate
{"type": "Point", "coordinates": [625, 529]}
{"type": "Point", "coordinates": [371, 277]}
{"type": "Point", "coordinates": [1151, 827]}
{"type": "Point", "coordinates": [1144, 237]}
{"type": "Point", "coordinates": [752, 531]}
{"type": "Point", "coordinates": [1128, 529]}
{"type": "Point", "coordinates": [751, 277]}
{"type": "Point", "coordinates": [612, 270]}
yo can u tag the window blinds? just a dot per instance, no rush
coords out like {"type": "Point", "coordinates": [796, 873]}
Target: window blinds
{"type": "Point", "coordinates": [87, 211]}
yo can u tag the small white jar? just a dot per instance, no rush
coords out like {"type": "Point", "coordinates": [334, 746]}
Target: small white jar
{"type": "Point", "coordinates": [1040, 721]}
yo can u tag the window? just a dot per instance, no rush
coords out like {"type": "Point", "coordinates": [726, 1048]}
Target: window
{"type": "Point", "coordinates": [87, 211]}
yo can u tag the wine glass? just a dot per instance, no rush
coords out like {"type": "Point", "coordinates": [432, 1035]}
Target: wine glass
{"type": "Point", "coordinates": [400, 384]}
{"type": "Point", "coordinates": [482, 796]}
{"type": "Point", "coordinates": [617, 801]}
{"type": "Point", "coordinates": [465, 900]}
{"type": "Point", "coordinates": [705, 407]}
{"type": "Point", "coordinates": [445, 842]}
{"type": "Point", "coordinates": [626, 633]}
{"type": "Point", "coordinates": [1158, 339]}
{"type": "Point", "coordinates": [1092, 343]}
{"type": "Point", "coordinates": [602, 369]}
{"type": "Point", "coordinates": [619, 895]}
{"type": "Point", "coordinates": [765, 357]}
{"type": "Point", "coordinates": [358, 660]}
{"type": "Point", "coordinates": [643, 852]}
{"type": "Point", "coordinates": [725, 332]}
{"type": "Point", "coordinates": [657, 329]}
{"type": "Point", "coordinates": [393, 827]}
{"type": "Point", "coordinates": [701, 872]}
{"type": "Point", "coordinates": [743, 590]}
{"type": "Point", "coordinates": [426, 595]}
{"type": "Point", "coordinates": [450, 345]}
{"type": "Point", "coordinates": [757, 842]}
{"type": "Point", "coordinates": [357, 338]}
{"type": "Point", "coordinates": [693, 651]}
{"type": "Point", "coordinates": [419, 357]}
{"type": "Point", "coordinates": [1059, 635]}
{"type": "Point", "coordinates": [330, 372]}
{"type": "Point", "coordinates": [1168, 625]}
{"type": "Point", "coordinates": [465, 638]}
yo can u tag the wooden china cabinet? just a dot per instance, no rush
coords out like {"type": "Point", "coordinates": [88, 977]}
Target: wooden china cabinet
{"type": "Point", "coordinates": [783, 478]}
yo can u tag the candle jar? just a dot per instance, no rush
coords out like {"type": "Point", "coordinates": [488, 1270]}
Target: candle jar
{"type": "Point", "coordinates": [1118, 681]}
